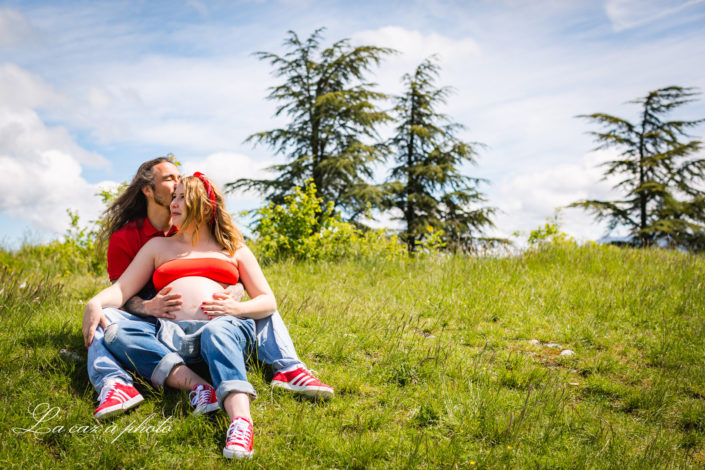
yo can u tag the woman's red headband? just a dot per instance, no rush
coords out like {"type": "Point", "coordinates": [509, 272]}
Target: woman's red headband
{"type": "Point", "coordinates": [209, 191]}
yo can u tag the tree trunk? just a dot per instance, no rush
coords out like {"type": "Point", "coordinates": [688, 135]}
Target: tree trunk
{"type": "Point", "coordinates": [642, 179]}
{"type": "Point", "coordinates": [409, 215]}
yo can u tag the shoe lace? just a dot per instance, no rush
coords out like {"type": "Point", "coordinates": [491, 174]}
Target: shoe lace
{"type": "Point", "coordinates": [200, 396]}
{"type": "Point", "coordinates": [239, 433]}
{"type": "Point", "coordinates": [107, 392]}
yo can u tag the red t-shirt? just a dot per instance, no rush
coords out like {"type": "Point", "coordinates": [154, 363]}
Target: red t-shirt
{"type": "Point", "coordinates": [126, 242]}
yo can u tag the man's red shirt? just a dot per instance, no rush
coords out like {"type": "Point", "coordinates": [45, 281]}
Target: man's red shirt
{"type": "Point", "coordinates": [127, 241]}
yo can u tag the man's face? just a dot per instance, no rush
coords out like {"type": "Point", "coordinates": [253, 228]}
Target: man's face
{"type": "Point", "coordinates": [166, 177]}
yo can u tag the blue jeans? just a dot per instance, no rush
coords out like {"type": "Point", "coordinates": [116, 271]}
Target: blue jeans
{"type": "Point", "coordinates": [102, 365]}
{"type": "Point", "coordinates": [274, 347]}
{"type": "Point", "coordinates": [224, 345]}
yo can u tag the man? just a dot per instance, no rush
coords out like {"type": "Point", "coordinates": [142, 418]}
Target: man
{"type": "Point", "coordinates": [140, 213]}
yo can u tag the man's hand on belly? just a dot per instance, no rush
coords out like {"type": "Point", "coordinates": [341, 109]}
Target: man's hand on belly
{"type": "Point", "coordinates": [163, 304]}
{"type": "Point", "coordinates": [236, 291]}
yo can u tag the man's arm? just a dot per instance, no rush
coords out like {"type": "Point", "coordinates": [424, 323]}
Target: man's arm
{"type": "Point", "coordinates": [236, 291]}
{"type": "Point", "coordinates": [160, 306]}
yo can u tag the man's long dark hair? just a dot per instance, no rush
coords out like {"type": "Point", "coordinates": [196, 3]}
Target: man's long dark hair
{"type": "Point", "coordinates": [131, 204]}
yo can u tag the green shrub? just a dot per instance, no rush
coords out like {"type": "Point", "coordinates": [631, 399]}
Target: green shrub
{"type": "Point", "coordinates": [304, 229]}
{"type": "Point", "coordinates": [550, 233]}
{"type": "Point", "coordinates": [431, 242]}
{"type": "Point", "coordinates": [77, 253]}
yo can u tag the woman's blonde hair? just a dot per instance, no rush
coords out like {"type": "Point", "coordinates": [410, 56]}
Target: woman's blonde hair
{"type": "Point", "coordinates": [199, 210]}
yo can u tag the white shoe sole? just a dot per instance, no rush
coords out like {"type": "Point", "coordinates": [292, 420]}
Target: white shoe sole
{"type": "Point", "coordinates": [119, 408]}
{"type": "Point", "coordinates": [206, 409]}
{"type": "Point", "coordinates": [237, 454]}
{"type": "Point", "coordinates": [324, 393]}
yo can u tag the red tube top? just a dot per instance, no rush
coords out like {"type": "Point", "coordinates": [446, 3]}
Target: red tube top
{"type": "Point", "coordinates": [216, 269]}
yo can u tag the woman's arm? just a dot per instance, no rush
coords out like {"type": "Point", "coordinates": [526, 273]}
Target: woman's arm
{"type": "Point", "coordinates": [130, 282]}
{"type": "Point", "coordinates": [262, 302]}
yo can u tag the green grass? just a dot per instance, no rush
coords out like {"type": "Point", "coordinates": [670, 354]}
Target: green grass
{"type": "Point", "coordinates": [431, 359]}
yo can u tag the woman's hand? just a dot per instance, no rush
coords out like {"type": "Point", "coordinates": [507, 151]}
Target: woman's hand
{"type": "Point", "coordinates": [92, 316]}
{"type": "Point", "coordinates": [222, 304]}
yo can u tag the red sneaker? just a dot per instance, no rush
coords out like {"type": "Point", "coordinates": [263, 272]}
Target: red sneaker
{"type": "Point", "coordinates": [300, 380]}
{"type": "Point", "coordinates": [116, 397]}
{"type": "Point", "coordinates": [238, 441]}
{"type": "Point", "coordinates": [203, 398]}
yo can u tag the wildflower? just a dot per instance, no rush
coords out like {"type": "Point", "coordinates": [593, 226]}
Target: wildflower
{"type": "Point", "coordinates": [472, 462]}
{"type": "Point", "coordinates": [509, 447]}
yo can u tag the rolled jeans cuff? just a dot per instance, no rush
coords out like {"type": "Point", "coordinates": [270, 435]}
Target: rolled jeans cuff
{"type": "Point", "coordinates": [163, 369]}
{"type": "Point", "coordinates": [233, 386]}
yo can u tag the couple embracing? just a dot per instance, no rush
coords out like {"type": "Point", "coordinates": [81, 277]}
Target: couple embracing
{"type": "Point", "coordinates": [179, 265]}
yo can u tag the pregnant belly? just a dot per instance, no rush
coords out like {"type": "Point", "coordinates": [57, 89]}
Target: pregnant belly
{"type": "Point", "coordinates": [194, 290]}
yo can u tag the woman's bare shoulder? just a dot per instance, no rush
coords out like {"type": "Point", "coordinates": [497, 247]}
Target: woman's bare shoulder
{"type": "Point", "coordinates": [160, 248]}
{"type": "Point", "coordinates": [243, 250]}
{"type": "Point", "coordinates": [243, 254]}
{"type": "Point", "coordinates": [157, 243]}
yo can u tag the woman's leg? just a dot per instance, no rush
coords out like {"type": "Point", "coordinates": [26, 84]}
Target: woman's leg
{"type": "Point", "coordinates": [224, 343]}
{"type": "Point", "coordinates": [237, 404]}
{"type": "Point", "coordinates": [183, 378]}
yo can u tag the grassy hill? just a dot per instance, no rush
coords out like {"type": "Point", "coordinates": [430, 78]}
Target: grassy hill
{"type": "Point", "coordinates": [449, 361]}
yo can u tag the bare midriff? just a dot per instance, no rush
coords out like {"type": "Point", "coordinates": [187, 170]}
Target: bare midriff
{"type": "Point", "coordinates": [194, 291]}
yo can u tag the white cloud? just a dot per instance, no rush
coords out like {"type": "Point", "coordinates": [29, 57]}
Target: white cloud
{"type": "Point", "coordinates": [40, 189]}
{"type": "Point", "coordinates": [225, 167]}
{"type": "Point", "coordinates": [625, 14]}
{"type": "Point", "coordinates": [20, 88]}
{"type": "Point", "coordinates": [21, 128]}
{"type": "Point", "coordinates": [41, 164]}
{"type": "Point", "coordinates": [15, 29]}
{"type": "Point", "coordinates": [416, 46]}
{"type": "Point", "coordinates": [24, 136]}
{"type": "Point", "coordinates": [526, 200]}
{"type": "Point", "coordinates": [200, 105]}
{"type": "Point", "coordinates": [200, 7]}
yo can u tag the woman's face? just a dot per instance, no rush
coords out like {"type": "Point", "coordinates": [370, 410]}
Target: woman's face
{"type": "Point", "coordinates": [178, 206]}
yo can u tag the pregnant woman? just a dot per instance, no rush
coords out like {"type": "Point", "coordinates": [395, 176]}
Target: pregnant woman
{"type": "Point", "coordinates": [206, 254]}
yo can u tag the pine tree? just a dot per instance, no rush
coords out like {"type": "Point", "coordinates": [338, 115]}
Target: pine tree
{"type": "Point", "coordinates": [662, 182]}
{"type": "Point", "coordinates": [331, 135]}
{"type": "Point", "coordinates": [426, 185]}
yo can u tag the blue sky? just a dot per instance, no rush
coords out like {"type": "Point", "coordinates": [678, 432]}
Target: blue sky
{"type": "Point", "coordinates": [88, 90]}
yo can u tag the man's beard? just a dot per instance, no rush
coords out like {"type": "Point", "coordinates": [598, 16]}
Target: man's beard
{"type": "Point", "coordinates": [161, 202]}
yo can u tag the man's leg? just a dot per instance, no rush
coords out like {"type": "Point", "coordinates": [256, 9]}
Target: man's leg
{"type": "Point", "coordinates": [102, 365]}
{"type": "Point", "coordinates": [114, 385]}
{"type": "Point", "coordinates": [134, 343]}
{"type": "Point", "coordinates": [274, 347]}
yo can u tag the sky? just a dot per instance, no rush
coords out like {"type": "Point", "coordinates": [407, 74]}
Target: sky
{"type": "Point", "coordinates": [91, 89]}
